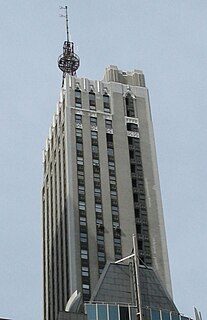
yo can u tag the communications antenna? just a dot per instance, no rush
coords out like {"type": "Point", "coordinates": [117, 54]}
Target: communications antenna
{"type": "Point", "coordinates": [68, 61]}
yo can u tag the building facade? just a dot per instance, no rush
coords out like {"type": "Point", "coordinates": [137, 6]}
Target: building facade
{"type": "Point", "coordinates": [100, 186]}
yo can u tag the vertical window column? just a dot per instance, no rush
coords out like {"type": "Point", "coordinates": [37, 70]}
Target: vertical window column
{"type": "Point", "coordinates": [114, 197]}
{"type": "Point", "coordinates": [139, 196]}
{"type": "Point", "coordinates": [98, 202]}
{"type": "Point", "coordinates": [82, 217]}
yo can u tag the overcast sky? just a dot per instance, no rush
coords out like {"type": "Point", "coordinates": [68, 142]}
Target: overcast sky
{"type": "Point", "coordinates": [164, 38]}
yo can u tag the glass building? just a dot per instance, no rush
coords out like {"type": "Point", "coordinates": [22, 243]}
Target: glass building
{"type": "Point", "coordinates": [123, 312]}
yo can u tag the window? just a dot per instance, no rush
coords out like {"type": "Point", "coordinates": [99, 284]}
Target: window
{"type": "Point", "coordinates": [92, 101]}
{"type": "Point", "coordinates": [91, 311]}
{"type": "Point", "coordinates": [96, 162]}
{"type": "Point", "coordinates": [106, 98]}
{"type": "Point", "coordinates": [86, 286]}
{"type": "Point", "coordinates": [96, 177]}
{"type": "Point", "coordinates": [139, 228]}
{"type": "Point", "coordinates": [106, 103]}
{"type": "Point", "coordinates": [83, 221]}
{"type": "Point", "coordinates": [102, 259]}
{"type": "Point", "coordinates": [133, 168]}
{"type": "Point", "coordinates": [79, 146]}
{"type": "Point", "coordinates": [93, 121]}
{"type": "Point", "coordinates": [130, 140]}
{"type": "Point", "coordinates": [132, 127]}
{"type": "Point", "coordinates": [94, 149]}
{"type": "Point", "coordinates": [135, 195]}
{"type": "Point", "coordinates": [97, 191]}
{"type": "Point", "coordinates": [79, 134]}
{"type": "Point", "coordinates": [112, 180]}
{"type": "Point", "coordinates": [78, 98]}
{"type": "Point", "coordinates": [99, 221]}
{"type": "Point", "coordinates": [116, 224]}
{"type": "Point", "coordinates": [98, 207]}
{"type": "Point", "coordinates": [109, 138]}
{"type": "Point", "coordinates": [97, 184]}
{"type": "Point", "coordinates": [102, 312]}
{"type": "Point", "coordinates": [94, 135]}
{"type": "Point", "coordinates": [83, 237]}
{"type": "Point", "coordinates": [134, 183]}
{"type": "Point", "coordinates": [111, 165]}
{"type": "Point", "coordinates": [124, 313]}
{"type": "Point", "coordinates": [113, 312]}
{"type": "Point", "coordinates": [81, 174]}
{"type": "Point", "coordinates": [100, 239]}
{"type": "Point", "coordinates": [77, 93]}
{"type": "Point", "coordinates": [108, 124]}
{"type": "Point", "coordinates": [81, 188]}
{"type": "Point", "coordinates": [113, 194]}
{"type": "Point", "coordinates": [131, 154]}
{"type": "Point", "coordinates": [110, 152]}
{"type": "Point", "coordinates": [117, 241]}
{"type": "Point", "coordinates": [78, 118]}
{"type": "Point", "coordinates": [114, 208]}
{"type": "Point", "coordinates": [140, 245]}
{"type": "Point", "coordinates": [84, 254]}
{"type": "Point", "coordinates": [129, 106]}
{"type": "Point", "coordinates": [80, 160]}
{"type": "Point", "coordinates": [96, 169]}
{"type": "Point", "coordinates": [101, 254]}
{"type": "Point", "coordinates": [82, 205]}
{"type": "Point", "coordinates": [84, 271]}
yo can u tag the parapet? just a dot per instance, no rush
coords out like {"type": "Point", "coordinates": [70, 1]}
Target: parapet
{"type": "Point", "coordinates": [132, 78]}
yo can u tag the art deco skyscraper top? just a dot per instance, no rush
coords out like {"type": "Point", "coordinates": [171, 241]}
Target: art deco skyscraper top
{"type": "Point", "coordinates": [100, 184]}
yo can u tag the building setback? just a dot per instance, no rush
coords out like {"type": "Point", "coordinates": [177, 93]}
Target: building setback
{"type": "Point", "coordinates": [100, 186]}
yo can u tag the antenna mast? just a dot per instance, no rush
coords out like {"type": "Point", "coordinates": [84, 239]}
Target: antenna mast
{"type": "Point", "coordinates": [68, 62]}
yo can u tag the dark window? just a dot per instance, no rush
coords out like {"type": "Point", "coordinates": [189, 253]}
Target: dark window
{"type": "Point", "coordinates": [106, 103]}
{"type": "Point", "coordinates": [92, 101]}
{"type": "Point", "coordinates": [132, 127]}
{"type": "Point", "coordinates": [130, 140]}
{"type": "Point", "coordinates": [131, 154]}
{"type": "Point", "coordinates": [129, 106]}
{"type": "Point", "coordinates": [140, 245]}
{"type": "Point", "coordinates": [124, 313]}
{"type": "Point", "coordinates": [135, 195]}
{"type": "Point", "coordinates": [109, 137]}
{"type": "Point", "coordinates": [134, 183]}
{"type": "Point", "coordinates": [133, 168]}
{"type": "Point", "coordinates": [139, 229]}
{"type": "Point", "coordinates": [137, 213]}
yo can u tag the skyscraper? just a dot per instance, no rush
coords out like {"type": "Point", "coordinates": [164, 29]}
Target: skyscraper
{"type": "Point", "coordinates": [100, 183]}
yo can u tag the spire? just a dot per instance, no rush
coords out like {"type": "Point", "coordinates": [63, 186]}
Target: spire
{"type": "Point", "coordinates": [68, 62]}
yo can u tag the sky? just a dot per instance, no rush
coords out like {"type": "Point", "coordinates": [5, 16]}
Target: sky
{"type": "Point", "coordinates": [164, 38]}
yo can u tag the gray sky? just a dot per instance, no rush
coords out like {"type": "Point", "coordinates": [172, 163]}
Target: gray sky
{"type": "Point", "coordinates": [164, 38]}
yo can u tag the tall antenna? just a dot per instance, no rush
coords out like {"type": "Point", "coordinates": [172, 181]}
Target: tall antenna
{"type": "Point", "coordinates": [68, 62]}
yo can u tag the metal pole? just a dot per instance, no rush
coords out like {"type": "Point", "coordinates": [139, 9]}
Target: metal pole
{"type": "Point", "coordinates": [136, 264]}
